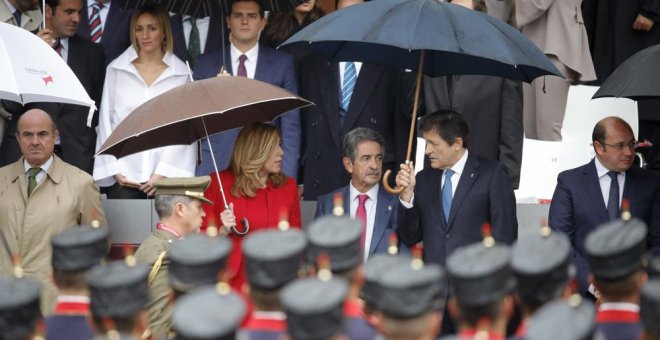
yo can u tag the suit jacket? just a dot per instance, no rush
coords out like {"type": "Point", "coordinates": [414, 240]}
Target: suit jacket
{"type": "Point", "coordinates": [213, 39]}
{"type": "Point", "coordinates": [578, 207]}
{"type": "Point", "coordinates": [66, 197]}
{"type": "Point", "coordinates": [379, 102]}
{"type": "Point", "coordinates": [158, 305]}
{"type": "Point", "coordinates": [493, 110]}
{"type": "Point", "coordinates": [483, 195]}
{"type": "Point", "coordinates": [557, 28]}
{"type": "Point", "coordinates": [116, 37]}
{"type": "Point", "coordinates": [30, 20]}
{"type": "Point", "coordinates": [384, 223]}
{"type": "Point", "coordinates": [273, 67]}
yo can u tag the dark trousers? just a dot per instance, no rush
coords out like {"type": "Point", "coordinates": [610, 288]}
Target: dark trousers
{"type": "Point", "coordinates": [119, 192]}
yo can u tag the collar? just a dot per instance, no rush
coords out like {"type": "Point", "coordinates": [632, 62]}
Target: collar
{"type": "Point", "coordinates": [353, 192]}
{"type": "Point", "coordinates": [165, 228]}
{"type": "Point", "coordinates": [353, 308]}
{"type": "Point", "coordinates": [251, 53]}
{"type": "Point", "coordinates": [175, 67]}
{"type": "Point", "coordinates": [271, 321]}
{"type": "Point", "coordinates": [622, 306]}
{"type": "Point", "coordinates": [106, 4]}
{"type": "Point", "coordinates": [64, 42]}
{"type": "Point", "coordinates": [43, 167]}
{"type": "Point", "coordinates": [618, 312]}
{"type": "Point", "coordinates": [72, 305]}
{"type": "Point", "coordinates": [460, 165]}
{"type": "Point", "coordinates": [11, 7]}
{"type": "Point", "coordinates": [601, 170]}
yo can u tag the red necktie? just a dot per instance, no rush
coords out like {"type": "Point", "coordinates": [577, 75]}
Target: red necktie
{"type": "Point", "coordinates": [361, 214]}
{"type": "Point", "coordinates": [242, 71]}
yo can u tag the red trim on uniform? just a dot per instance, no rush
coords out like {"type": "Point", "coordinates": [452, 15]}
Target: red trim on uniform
{"type": "Point", "coordinates": [617, 316]}
{"type": "Point", "coordinates": [161, 226]}
{"type": "Point", "coordinates": [264, 324]}
{"type": "Point", "coordinates": [522, 329]}
{"type": "Point", "coordinates": [353, 309]}
{"type": "Point", "coordinates": [470, 333]}
{"type": "Point", "coordinates": [72, 308]}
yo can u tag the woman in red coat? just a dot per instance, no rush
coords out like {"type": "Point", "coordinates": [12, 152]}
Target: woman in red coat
{"type": "Point", "coordinates": [256, 191]}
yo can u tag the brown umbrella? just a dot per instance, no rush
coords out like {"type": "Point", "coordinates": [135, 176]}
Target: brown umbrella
{"type": "Point", "coordinates": [196, 110]}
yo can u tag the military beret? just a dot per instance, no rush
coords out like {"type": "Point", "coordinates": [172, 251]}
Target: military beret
{"type": "Point", "coordinates": [79, 248]}
{"type": "Point", "coordinates": [118, 290]}
{"type": "Point", "coordinates": [19, 307]}
{"type": "Point", "coordinates": [196, 260]}
{"type": "Point", "coordinates": [616, 249]}
{"type": "Point", "coordinates": [339, 237]}
{"type": "Point", "coordinates": [273, 257]}
{"type": "Point", "coordinates": [185, 186]}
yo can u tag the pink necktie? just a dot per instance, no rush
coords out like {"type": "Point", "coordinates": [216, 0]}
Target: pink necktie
{"type": "Point", "coordinates": [361, 214]}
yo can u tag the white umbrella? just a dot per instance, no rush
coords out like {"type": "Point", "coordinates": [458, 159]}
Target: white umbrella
{"type": "Point", "coordinates": [31, 71]}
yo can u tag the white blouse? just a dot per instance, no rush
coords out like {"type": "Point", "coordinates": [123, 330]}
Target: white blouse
{"type": "Point", "coordinates": [123, 91]}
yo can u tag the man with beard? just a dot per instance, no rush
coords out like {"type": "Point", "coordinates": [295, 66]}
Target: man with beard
{"type": "Point", "coordinates": [364, 198]}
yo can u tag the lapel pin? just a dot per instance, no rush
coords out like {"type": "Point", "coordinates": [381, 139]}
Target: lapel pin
{"type": "Point", "coordinates": [471, 174]}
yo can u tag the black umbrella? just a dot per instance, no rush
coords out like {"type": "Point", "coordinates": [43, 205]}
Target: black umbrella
{"type": "Point", "coordinates": [636, 78]}
{"type": "Point", "coordinates": [432, 37]}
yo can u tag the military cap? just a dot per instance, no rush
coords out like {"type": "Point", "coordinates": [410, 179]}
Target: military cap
{"type": "Point", "coordinates": [410, 290]}
{"type": "Point", "coordinates": [566, 320]}
{"type": "Point", "coordinates": [185, 186]}
{"type": "Point", "coordinates": [196, 260]}
{"type": "Point", "coordinates": [118, 290]}
{"type": "Point", "coordinates": [616, 249]}
{"type": "Point", "coordinates": [273, 257]}
{"type": "Point", "coordinates": [541, 265]}
{"type": "Point", "coordinates": [314, 307]}
{"type": "Point", "coordinates": [480, 274]}
{"type": "Point", "coordinates": [653, 268]}
{"type": "Point", "coordinates": [79, 248]}
{"type": "Point", "coordinates": [373, 270]}
{"type": "Point", "coordinates": [650, 306]}
{"type": "Point", "coordinates": [211, 312]}
{"type": "Point", "coordinates": [19, 307]}
{"type": "Point", "coordinates": [339, 237]}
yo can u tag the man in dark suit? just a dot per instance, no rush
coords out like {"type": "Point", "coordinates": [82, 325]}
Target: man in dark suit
{"type": "Point", "coordinates": [587, 196]}
{"type": "Point", "coordinates": [363, 160]}
{"type": "Point", "coordinates": [246, 57]}
{"type": "Point", "coordinates": [196, 36]}
{"type": "Point", "coordinates": [77, 141]}
{"type": "Point", "coordinates": [115, 24]}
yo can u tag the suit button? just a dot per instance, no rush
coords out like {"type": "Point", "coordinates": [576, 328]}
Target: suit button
{"type": "Point", "coordinates": [373, 121]}
{"type": "Point", "coordinates": [314, 124]}
{"type": "Point", "coordinates": [316, 184]}
{"type": "Point", "coordinates": [447, 236]}
{"type": "Point", "coordinates": [317, 155]}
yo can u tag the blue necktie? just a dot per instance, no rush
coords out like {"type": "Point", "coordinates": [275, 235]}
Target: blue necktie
{"type": "Point", "coordinates": [446, 194]}
{"type": "Point", "coordinates": [350, 76]}
{"type": "Point", "coordinates": [17, 17]}
{"type": "Point", "coordinates": [613, 201]}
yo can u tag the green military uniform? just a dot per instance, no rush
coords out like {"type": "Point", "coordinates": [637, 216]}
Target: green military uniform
{"type": "Point", "coordinates": [158, 305]}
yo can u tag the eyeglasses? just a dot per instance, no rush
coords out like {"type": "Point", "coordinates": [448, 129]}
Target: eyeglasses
{"type": "Point", "coordinates": [633, 144]}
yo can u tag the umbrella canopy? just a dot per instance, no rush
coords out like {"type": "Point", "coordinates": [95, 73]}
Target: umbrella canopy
{"type": "Point", "coordinates": [33, 72]}
{"type": "Point", "coordinates": [636, 78]}
{"type": "Point", "coordinates": [456, 40]}
{"type": "Point", "coordinates": [205, 8]}
{"type": "Point", "coordinates": [196, 110]}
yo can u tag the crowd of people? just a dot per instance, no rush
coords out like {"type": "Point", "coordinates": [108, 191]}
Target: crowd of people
{"type": "Point", "coordinates": [230, 257]}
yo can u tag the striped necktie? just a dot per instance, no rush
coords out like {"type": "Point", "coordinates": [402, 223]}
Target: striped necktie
{"type": "Point", "coordinates": [350, 76]}
{"type": "Point", "coordinates": [95, 29]}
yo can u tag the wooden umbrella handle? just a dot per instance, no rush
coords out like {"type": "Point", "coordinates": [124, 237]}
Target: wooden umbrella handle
{"type": "Point", "coordinates": [418, 85]}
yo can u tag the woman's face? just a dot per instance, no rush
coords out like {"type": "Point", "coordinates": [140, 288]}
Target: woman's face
{"type": "Point", "coordinates": [273, 164]}
{"type": "Point", "coordinates": [148, 33]}
{"type": "Point", "coordinates": [305, 7]}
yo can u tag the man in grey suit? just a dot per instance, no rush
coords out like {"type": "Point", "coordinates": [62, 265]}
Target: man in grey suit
{"type": "Point", "coordinates": [363, 197]}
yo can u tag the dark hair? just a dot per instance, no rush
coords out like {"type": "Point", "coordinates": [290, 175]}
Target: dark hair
{"type": "Point", "coordinates": [70, 279]}
{"type": "Point", "coordinates": [619, 289]}
{"type": "Point", "coordinates": [266, 299]}
{"type": "Point", "coordinates": [472, 315]}
{"type": "Point", "coordinates": [357, 136]}
{"type": "Point", "coordinates": [258, 2]}
{"type": "Point", "coordinates": [54, 3]}
{"type": "Point", "coordinates": [448, 124]}
{"type": "Point", "coordinates": [282, 25]}
{"type": "Point", "coordinates": [600, 129]}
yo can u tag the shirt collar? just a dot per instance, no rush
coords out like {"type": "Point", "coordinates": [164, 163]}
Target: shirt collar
{"type": "Point", "coordinates": [43, 167]}
{"type": "Point", "coordinates": [601, 170]}
{"type": "Point", "coordinates": [105, 3]}
{"type": "Point", "coordinates": [353, 192]}
{"type": "Point", "coordinates": [460, 165]}
{"type": "Point", "coordinates": [251, 54]}
{"type": "Point", "coordinates": [11, 7]}
{"type": "Point", "coordinates": [624, 306]}
{"type": "Point", "coordinates": [64, 42]}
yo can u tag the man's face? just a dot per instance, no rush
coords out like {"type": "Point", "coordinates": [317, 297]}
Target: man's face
{"type": "Point", "coordinates": [65, 19]}
{"type": "Point", "coordinates": [440, 153]}
{"type": "Point", "coordinates": [193, 213]}
{"type": "Point", "coordinates": [25, 5]}
{"type": "Point", "coordinates": [245, 22]}
{"type": "Point", "coordinates": [36, 137]}
{"type": "Point", "coordinates": [618, 152]}
{"type": "Point", "coordinates": [367, 167]}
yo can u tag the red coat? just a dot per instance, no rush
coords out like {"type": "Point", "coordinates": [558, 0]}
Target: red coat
{"type": "Point", "coordinates": [262, 212]}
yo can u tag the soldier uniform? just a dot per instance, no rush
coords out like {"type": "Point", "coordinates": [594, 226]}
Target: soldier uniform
{"type": "Point", "coordinates": [19, 307]}
{"type": "Point", "coordinates": [75, 250]}
{"type": "Point", "coordinates": [615, 251]}
{"type": "Point", "coordinates": [153, 252]}
{"type": "Point", "coordinates": [273, 259]}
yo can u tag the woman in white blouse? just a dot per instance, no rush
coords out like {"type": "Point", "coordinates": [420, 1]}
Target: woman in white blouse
{"type": "Point", "coordinates": [146, 69]}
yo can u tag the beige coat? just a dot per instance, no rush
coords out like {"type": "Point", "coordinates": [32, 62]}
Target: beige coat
{"type": "Point", "coordinates": [158, 306]}
{"type": "Point", "coordinates": [66, 197]}
{"type": "Point", "coordinates": [557, 28]}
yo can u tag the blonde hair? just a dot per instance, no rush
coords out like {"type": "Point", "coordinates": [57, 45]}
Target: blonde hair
{"type": "Point", "coordinates": [163, 20]}
{"type": "Point", "coordinates": [253, 147]}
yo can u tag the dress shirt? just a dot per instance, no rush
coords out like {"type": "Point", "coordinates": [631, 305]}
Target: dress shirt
{"type": "Point", "coordinates": [12, 9]}
{"type": "Point", "coordinates": [370, 206]}
{"type": "Point", "coordinates": [342, 69]}
{"type": "Point", "coordinates": [64, 51]}
{"type": "Point", "coordinates": [250, 62]}
{"type": "Point", "coordinates": [41, 175]}
{"type": "Point", "coordinates": [123, 91]}
{"type": "Point", "coordinates": [605, 180]}
{"type": "Point", "coordinates": [203, 28]}
{"type": "Point", "coordinates": [103, 13]}
{"type": "Point", "coordinates": [455, 178]}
